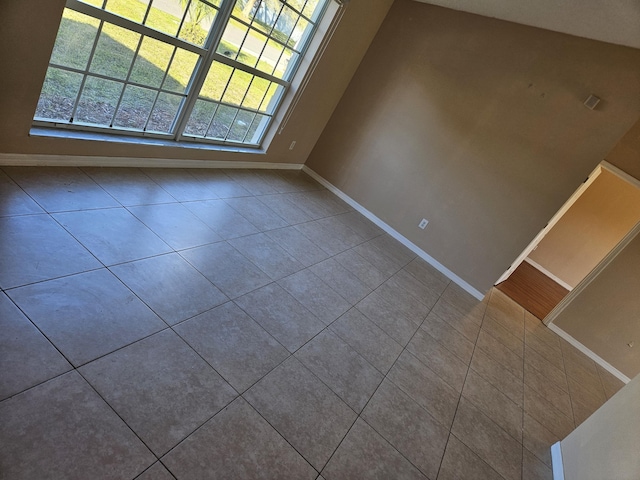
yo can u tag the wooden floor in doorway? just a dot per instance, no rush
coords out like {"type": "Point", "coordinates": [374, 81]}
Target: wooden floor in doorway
{"type": "Point", "coordinates": [533, 290]}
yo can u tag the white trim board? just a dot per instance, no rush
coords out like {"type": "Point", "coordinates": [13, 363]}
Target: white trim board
{"type": "Point", "coordinates": [556, 461]}
{"type": "Point", "coordinates": [541, 269]}
{"type": "Point", "coordinates": [593, 356]}
{"type": "Point", "coordinates": [395, 234]}
{"type": "Point", "coordinates": [27, 160]}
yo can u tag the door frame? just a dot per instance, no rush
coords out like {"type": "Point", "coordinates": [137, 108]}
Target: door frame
{"type": "Point", "coordinates": [563, 210]}
{"type": "Point", "coordinates": [591, 276]}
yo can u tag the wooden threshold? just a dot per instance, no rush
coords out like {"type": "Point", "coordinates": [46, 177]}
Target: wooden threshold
{"type": "Point", "coordinates": [533, 290]}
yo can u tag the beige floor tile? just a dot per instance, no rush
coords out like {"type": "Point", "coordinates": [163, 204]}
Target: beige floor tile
{"type": "Point", "coordinates": [305, 412]}
{"type": "Point", "coordinates": [555, 375]}
{"type": "Point", "coordinates": [501, 354]}
{"type": "Point", "coordinates": [145, 384]}
{"type": "Point", "coordinates": [63, 429]}
{"type": "Point", "coordinates": [366, 338]}
{"type": "Point", "coordinates": [546, 413]}
{"type": "Point", "coordinates": [494, 404]}
{"type": "Point", "coordinates": [503, 335]}
{"type": "Point", "coordinates": [487, 440]}
{"type": "Point", "coordinates": [460, 463]}
{"type": "Point", "coordinates": [425, 388]}
{"type": "Point", "coordinates": [408, 427]}
{"type": "Point", "coordinates": [444, 363]}
{"type": "Point", "coordinates": [498, 376]}
{"type": "Point", "coordinates": [234, 344]}
{"type": "Point", "coordinates": [449, 337]}
{"type": "Point", "coordinates": [341, 368]}
{"type": "Point", "coordinates": [534, 469]}
{"type": "Point", "coordinates": [237, 443]}
{"type": "Point", "coordinates": [558, 397]}
{"type": "Point", "coordinates": [537, 439]}
{"type": "Point", "coordinates": [364, 454]}
{"type": "Point", "coordinates": [467, 323]}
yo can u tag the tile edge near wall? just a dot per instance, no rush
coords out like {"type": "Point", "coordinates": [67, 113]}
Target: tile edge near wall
{"type": "Point", "coordinates": [397, 235]}
{"type": "Point", "coordinates": [589, 353]}
{"type": "Point", "coordinates": [27, 160]}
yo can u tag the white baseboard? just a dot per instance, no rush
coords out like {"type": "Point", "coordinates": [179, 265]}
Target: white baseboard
{"type": "Point", "coordinates": [397, 235]}
{"type": "Point", "coordinates": [539, 267]}
{"type": "Point", "coordinates": [556, 461]}
{"type": "Point", "coordinates": [27, 160]}
{"type": "Point", "coordinates": [593, 356]}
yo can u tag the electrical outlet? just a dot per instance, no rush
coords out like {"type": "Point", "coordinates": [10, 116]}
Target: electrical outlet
{"type": "Point", "coordinates": [630, 344]}
{"type": "Point", "coordinates": [293, 144]}
{"type": "Point", "coordinates": [423, 223]}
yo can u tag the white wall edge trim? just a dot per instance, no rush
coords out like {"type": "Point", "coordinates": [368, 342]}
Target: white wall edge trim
{"type": "Point", "coordinates": [397, 235]}
{"type": "Point", "coordinates": [27, 160]}
{"type": "Point", "coordinates": [539, 267]}
{"type": "Point", "coordinates": [593, 356]}
{"type": "Point", "coordinates": [556, 461]}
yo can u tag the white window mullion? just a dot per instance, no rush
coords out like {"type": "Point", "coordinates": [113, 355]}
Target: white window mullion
{"type": "Point", "coordinates": [202, 68]}
{"type": "Point", "coordinates": [109, 17]}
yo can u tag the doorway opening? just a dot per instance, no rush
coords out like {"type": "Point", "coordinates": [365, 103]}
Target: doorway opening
{"type": "Point", "coordinates": [596, 218]}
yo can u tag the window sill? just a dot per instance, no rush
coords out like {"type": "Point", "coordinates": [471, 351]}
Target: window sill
{"type": "Point", "coordinates": [155, 142]}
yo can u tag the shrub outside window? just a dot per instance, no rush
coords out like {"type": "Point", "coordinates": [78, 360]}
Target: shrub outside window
{"type": "Point", "coordinates": [211, 71]}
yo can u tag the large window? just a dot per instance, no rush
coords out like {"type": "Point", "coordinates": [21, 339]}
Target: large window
{"type": "Point", "coordinates": [189, 70]}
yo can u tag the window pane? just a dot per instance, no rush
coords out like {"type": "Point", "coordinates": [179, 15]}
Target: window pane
{"type": "Point", "coordinates": [300, 33]}
{"type": "Point", "coordinates": [284, 25]}
{"type": "Point", "coordinates": [197, 23]}
{"type": "Point", "coordinates": [297, 4]}
{"type": "Point", "coordinates": [59, 94]}
{"type": "Point", "coordinates": [180, 71]}
{"type": "Point", "coordinates": [255, 12]}
{"type": "Point", "coordinates": [200, 118]}
{"type": "Point", "coordinates": [257, 92]}
{"type": "Point", "coordinates": [233, 36]}
{"type": "Point", "coordinates": [312, 9]}
{"type": "Point", "coordinates": [237, 88]}
{"type": "Point", "coordinates": [135, 107]}
{"type": "Point", "coordinates": [114, 52]}
{"type": "Point", "coordinates": [275, 51]}
{"type": "Point", "coordinates": [252, 48]}
{"type": "Point", "coordinates": [75, 40]}
{"type": "Point", "coordinates": [151, 63]}
{"type": "Point", "coordinates": [164, 113]}
{"type": "Point", "coordinates": [131, 9]}
{"type": "Point", "coordinates": [272, 98]}
{"type": "Point", "coordinates": [216, 82]}
{"type": "Point", "coordinates": [286, 63]}
{"type": "Point", "coordinates": [222, 122]}
{"type": "Point", "coordinates": [95, 3]}
{"type": "Point", "coordinates": [98, 101]}
{"type": "Point", "coordinates": [165, 16]}
{"type": "Point", "coordinates": [240, 126]}
{"type": "Point", "coordinates": [257, 129]}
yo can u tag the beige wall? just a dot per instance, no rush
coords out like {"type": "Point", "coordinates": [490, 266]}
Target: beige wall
{"type": "Point", "coordinates": [477, 125]}
{"type": "Point", "coordinates": [590, 229]}
{"type": "Point", "coordinates": [26, 39]}
{"type": "Point", "coordinates": [605, 316]}
{"type": "Point", "coordinates": [626, 154]}
{"type": "Point", "coordinates": [606, 444]}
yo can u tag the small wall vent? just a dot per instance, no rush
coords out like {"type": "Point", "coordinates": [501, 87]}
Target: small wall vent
{"type": "Point", "coordinates": [591, 102]}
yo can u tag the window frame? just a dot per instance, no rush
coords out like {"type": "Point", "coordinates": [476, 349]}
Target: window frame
{"type": "Point", "coordinates": [207, 55]}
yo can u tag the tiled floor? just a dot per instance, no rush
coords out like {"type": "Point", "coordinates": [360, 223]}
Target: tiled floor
{"type": "Point", "coordinates": [185, 324]}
